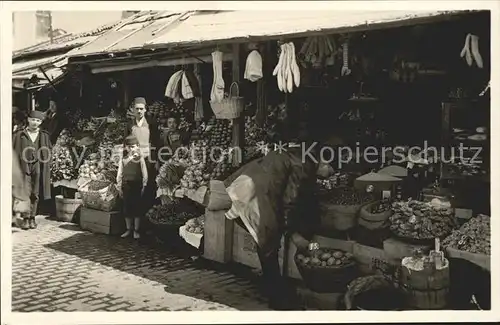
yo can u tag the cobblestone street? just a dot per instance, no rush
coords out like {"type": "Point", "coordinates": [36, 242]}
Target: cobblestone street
{"type": "Point", "coordinates": [59, 267]}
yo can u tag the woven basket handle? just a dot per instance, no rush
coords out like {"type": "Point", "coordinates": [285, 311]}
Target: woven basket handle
{"type": "Point", "coordinates": [237, 90]}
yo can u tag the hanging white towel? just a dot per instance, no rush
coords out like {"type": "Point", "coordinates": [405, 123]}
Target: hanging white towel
{"type": "Point", "coordinates": [187, 92]}
{"type": "Point", "coordinates": [253, 69]}
{"type": "Point", "coordinates": [198, 104]}
{"type": "Point", "coordinates": [217, 93]}
{"type": "Point", "coordinates": [172, 90]}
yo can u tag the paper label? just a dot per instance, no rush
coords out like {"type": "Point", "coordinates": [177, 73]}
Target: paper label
{"type": "Point", "coordinates": [386, 194]}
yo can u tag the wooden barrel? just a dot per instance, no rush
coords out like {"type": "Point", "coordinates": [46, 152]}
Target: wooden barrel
{"type": "Point", "coordinates": [66, 208]}
{"type": "Point", "coordinates": [426, 289]}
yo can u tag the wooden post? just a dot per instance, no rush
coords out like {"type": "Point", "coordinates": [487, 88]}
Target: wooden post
{"type": "Point", "coordinates": [238, 123]}
{"type": "Point", "coordinates": [126, 89]}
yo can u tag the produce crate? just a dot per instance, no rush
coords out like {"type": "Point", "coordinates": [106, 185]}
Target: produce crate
{"type": "Point", "coordinates": [396, 249]}
{"type": "Point", "coordinates": [218, 233]}
{"type": "Point", "coordinates": [96, 221]}
{"type": "Point", "coordinates": [244, 250]}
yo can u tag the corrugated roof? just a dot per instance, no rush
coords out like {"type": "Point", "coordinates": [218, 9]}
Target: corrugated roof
{"type": "Point", "coordinates": [217, 26]}
{"type": "Point", "coordinates": [67, 41]}
{"type": "Point", "coordinates": [133, 34]}
{"type": "Point", "coordinates": [232, 25]}
{"type": "Point", "coordinates": [27, 65]}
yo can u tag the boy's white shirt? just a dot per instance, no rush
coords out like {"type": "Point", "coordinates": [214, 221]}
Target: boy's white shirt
{"type": "Point", "coordinates": [119, 174]}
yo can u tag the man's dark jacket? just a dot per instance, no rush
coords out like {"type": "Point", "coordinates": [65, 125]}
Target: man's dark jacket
{"type": "Point", "coordinates": [45, 156]}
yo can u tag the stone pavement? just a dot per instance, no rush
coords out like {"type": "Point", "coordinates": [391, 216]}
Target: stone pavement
{"type": "Point", "coordinates": [59, 267]}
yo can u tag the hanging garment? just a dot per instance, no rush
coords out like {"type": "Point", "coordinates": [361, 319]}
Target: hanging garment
{"type": "Point", "coordinates": [217, 93]}
{"type": "Point", "coordinates": [198, 104]}
{"type": "Point", "coordinates": [187, 92]}
{"type": "Point", "coordinates": [172, 90]}
{"type": "Point", "coordinates": [194, 83]}
{"type": "Point", "coordinates": [253, 68]}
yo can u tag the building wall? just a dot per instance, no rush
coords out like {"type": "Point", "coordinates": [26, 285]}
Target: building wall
{"type": "Point", "coordinates": [25, 24]}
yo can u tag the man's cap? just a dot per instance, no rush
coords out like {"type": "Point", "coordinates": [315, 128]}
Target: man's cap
{"type": "Point", "coordinates": [131, 140]}
{"type": "Point", "coordinates": [37, 114]}
{"type": "Point", "coordinates": [140, 101]}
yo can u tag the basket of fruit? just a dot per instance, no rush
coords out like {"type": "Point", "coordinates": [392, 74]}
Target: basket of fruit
{"type": "Point", "coordinates": [326, 270]}
{"type": "Point", "coordinates": [375, 215]}
{"type": "Point", "coordinates": [419, 222]}
{"type": "Point", "coordinates": [192, 231]}
{"type": "Point", "coordinates": [229, 107]}
{"type": "Point", "coordinates": [339, 210]}
{"type": "Point", "coordinates": [99, 195]}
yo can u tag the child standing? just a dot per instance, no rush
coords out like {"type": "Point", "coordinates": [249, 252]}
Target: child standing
{"type": "Point", "coordinates": [131, 180]}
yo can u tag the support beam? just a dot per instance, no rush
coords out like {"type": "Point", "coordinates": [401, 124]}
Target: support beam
{"type": "Point", "coordinates": [238, 123]}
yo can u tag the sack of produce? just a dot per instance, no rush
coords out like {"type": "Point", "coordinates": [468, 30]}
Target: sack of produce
{"type": "Point", "coordinates": [218, 197]}
{"type": "Point", "coordinates": [326, 270]}
{"type": "Point", "coordinates": [471, 242]}
{"type": "Point", "coordinates": [99, 195]}
{"type": "Point", "coordinates": [339, 210]}
{"type": "Point", "coordinates": [375, 215]}
{"type": "Point", "coordinates": [420, 222]}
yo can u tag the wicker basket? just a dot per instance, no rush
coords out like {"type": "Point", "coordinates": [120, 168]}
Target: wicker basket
{"type": "Point", "coordinates": [94, 199]}
{"type": "Point", "coordinates": [373, 221]}
{"type": "Point", "coordinates": [230, 107]}
{"type": "Point", "coordinates": [326, 279]}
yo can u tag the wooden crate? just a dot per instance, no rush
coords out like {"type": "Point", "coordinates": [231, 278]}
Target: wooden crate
{"type": "Point", "coordinates": [396, 249]}
{"type": "Point", "coordinates": [218, 237]}
{"type": "Point", "coordinates": [244, 249]}
{"type": "Point", "coordinates": [109, 223]}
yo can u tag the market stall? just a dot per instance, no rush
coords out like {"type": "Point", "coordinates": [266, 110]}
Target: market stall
{"type": "Point", "coordinates": [391, 220]}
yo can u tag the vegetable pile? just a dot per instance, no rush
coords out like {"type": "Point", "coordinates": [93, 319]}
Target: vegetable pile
{"type": "Point", "coordinates": [170, 174]}
{"type": "Point", "coordinates": [158, 111]}
{"type": "Point", "coordinates": [348, 196]}
{"type": "Point", "coordinates": [115, 132]}
{"type": "Point", "coordinates": [325, 258]}
{"type": "Point", "coordinates": [421, 220]}
{"type": "Point", "coordinates": [318, 51]}
{"type": "Point", "coordinates": [172, 213]}
{"type": "Point", "coordinates": [380, 207]}
{"type": "Point", "coordinates": [62, 165]}
{"type": "Point", "coordinates": [98, 168]}
{"type": "Point", "coordinates": [474, 236]}
{"type": "Point", "coordinates": [334, 181]}
{"type": "Point", "coordinates": [196, 225]}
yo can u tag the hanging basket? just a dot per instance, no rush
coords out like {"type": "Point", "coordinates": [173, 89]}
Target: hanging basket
{"type": "Point", "coordinates": [230, 107]}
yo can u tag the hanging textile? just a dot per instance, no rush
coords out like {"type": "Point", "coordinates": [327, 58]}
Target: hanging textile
{"type": "Point", "coordinates": [198, 104]}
